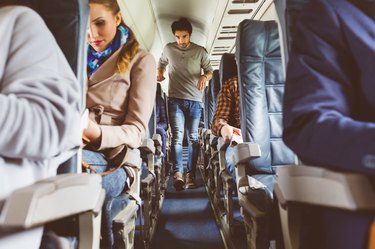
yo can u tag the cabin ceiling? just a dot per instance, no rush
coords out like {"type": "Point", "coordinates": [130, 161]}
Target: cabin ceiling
{"type": "Point", "coordinates": [214, 21]}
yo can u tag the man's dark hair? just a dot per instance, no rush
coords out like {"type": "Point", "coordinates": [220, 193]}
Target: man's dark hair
{"type": "Point", "coordinates": [182, 24]}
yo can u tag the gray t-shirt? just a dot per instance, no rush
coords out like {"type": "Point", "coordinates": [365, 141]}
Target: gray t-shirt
{"type": "Point", "coordinates": [184, 69]}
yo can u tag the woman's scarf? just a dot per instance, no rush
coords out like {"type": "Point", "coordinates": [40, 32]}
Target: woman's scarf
{"type": "Point", "coordinates": [96, 59]}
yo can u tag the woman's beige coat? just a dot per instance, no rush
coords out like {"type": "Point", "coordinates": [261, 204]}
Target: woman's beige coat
{"type": "Point", "coordinates": [122, 103]}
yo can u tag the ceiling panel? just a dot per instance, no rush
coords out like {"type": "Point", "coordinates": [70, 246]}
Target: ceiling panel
{"type": "Point", "coordinates": [214, 21]}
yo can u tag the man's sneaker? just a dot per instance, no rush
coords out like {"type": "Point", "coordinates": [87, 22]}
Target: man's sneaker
{"type": "Point", "coordinates": [190, 181]}
{"type": "Point", "coordinates": [178, 181]}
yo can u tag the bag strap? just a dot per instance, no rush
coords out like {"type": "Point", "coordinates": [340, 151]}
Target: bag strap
{"type": "Point", "coordinates": [120, 160]}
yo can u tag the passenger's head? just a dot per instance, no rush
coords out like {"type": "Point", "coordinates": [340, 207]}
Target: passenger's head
{"type": "Point", "coordinates": [105, 18]}
{"type": "Point", "coordinates": [182, 30]}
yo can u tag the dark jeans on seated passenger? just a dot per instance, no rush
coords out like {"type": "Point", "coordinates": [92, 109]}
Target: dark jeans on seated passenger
{"type": "Point", "coordinates": [163, 134]}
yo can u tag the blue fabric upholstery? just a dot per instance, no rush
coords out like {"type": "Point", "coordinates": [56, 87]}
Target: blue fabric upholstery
{"type": "Point", "coordinates": [211, 94]}
{"type": "Point", "coordinates": [262, 199]}
{"type": "Point", "coordinates": [206, 108]}
{"type": "Point", "coordinates": [228, 67]}
{"type": "Point", "coordinates": [261, 87]}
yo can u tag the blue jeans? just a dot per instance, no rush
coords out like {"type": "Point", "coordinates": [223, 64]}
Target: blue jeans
{"type": "Point", "coordinates": [113, 185]}
{"type": "Point", "coordinates": [163, 134]}
{"type": "Point", "coordinates": [230, 163]}
{"type": "Point", "coordinates": [184, 114]}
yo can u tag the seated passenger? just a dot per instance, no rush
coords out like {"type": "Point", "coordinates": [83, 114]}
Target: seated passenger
{"type": "Point", "coordinates": [329, 109]}
{"type": "Point", "coordinates": [39, 99]}
{"type": "Point", "coordinates": [329, 101]}
{"type": "Point", "coordinates": [226, 120]}
{"type": "Point", "coordinates": [120, 97]}
{"type": "Point", "coordinates": [161, 118]}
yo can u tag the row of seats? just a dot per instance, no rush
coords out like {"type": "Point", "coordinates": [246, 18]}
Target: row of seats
{"type": "Point", "coordinates": [71, 197]}
{"type": "Point", "coordinates": [274, 200]}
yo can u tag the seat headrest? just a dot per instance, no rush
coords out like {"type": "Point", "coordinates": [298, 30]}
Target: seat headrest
{"type": "Point", "coordinates": [228, 67]}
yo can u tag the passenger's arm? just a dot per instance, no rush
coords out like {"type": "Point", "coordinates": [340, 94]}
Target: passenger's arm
{"type": "Point", "coordinates": [141, 102]}
{"type": "Point", "coordinates": [39, 99]}
{"type": "Point", "coordinates": [321, 93]}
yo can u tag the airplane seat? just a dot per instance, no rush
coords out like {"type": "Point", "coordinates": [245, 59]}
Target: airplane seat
{"type": "Point", "coordinates": [261, 87]}
{"type": "Point", "coordinates": [330, 209]}
{"type": "Point", "coordinates": [151, 181]}
{"type": "Point", "coordinates": [213, 90]}
{"type": "Point", "coordinates": [210, 97]}
{"type": "Point", "coordinates": [161, 118]}
{"type": "Point", "coordinates": [162, 128]}
{"type": "Point", "coordinates": [209, 141]}
{"type": "Point", "coordinates": [227, 69]}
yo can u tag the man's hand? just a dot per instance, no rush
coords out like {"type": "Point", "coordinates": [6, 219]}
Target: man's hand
{"type": "Point", "coordinates": [227, 132]}
{"type": "Point", "coordinates": [201, 84]}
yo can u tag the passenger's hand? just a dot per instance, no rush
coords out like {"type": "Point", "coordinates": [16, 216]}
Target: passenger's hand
{"type": "Point", "coordinates": [160, 77]}
{"type": "Point", "coordinates": [93, 132]}
{"type": "Point", "coordinates": [227, 132]}
{"type": "Point", "coordinates": [201, 84]}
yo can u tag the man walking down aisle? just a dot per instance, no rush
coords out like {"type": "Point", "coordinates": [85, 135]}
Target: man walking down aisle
{"type": "Point", "coordinates": [185, 61]}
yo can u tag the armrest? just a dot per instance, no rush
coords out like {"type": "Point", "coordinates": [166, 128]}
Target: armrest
{"type": "Point", "coordinates": [207, 133]}
{"type": "Point", "coordinates": [51, 199]}
{"type": "Point", "coordinates": [135, 162]}
{"type": "Point", "coordinates": [157, 139]}
{"type": "Point", "coordinates": [319, 186]}
{"type": "Point", "coordinates": [147, 146]}
{"type": "Point", "coordinates": [243, 152]}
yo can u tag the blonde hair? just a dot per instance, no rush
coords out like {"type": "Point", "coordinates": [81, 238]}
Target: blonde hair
{"type": "Point", "coordinates": [130, 49]}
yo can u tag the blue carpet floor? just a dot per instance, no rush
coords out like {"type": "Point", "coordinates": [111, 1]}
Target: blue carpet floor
{"type": "Point", "coordinates": [186, 220]}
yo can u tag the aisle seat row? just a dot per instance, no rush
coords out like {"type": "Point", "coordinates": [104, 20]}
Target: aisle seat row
{"type": "Point", "coordinates": [276, 196]}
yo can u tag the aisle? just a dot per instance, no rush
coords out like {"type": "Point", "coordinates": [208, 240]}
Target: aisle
{"type": "Point", "coordinates": [186, 220]}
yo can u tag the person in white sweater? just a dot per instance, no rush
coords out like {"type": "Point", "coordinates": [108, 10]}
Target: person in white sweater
{"type": "Point", "coordinates": [39, 108]}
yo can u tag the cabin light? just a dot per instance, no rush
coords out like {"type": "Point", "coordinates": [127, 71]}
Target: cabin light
{"type": "Point", "coordinates": [244, 1]}
{"type": "Point", "coordinates": [239, 11]}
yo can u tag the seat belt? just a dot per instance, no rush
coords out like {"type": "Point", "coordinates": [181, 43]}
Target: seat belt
{"type": "Point", "coordinates": [367, 6]}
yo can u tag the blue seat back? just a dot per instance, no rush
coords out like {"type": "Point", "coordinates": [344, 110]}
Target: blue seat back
{"type": "Point", "coordinates": [211, 94]}
{"type": "Point", "coordinates": [287, 12]}
{"type": "Point", "coordinates": [228, 67]}
{"type": "Point", "coordinates": [261, 88]}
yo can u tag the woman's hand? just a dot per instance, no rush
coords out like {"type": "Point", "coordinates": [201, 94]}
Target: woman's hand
{"type": "Point", "coordinates": [93, 132]}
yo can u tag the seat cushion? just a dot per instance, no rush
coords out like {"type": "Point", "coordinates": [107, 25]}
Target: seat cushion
{"type": "Point", "coordinates": [259, 192]}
